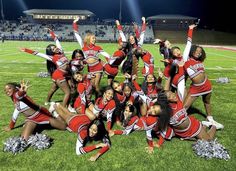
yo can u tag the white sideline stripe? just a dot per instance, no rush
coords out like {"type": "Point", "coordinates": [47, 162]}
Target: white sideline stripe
{"type": "Point", "coordinates": [9, 54]}
{"type": "Point", "coordinates": [227, 56]}
{"type": "Point", "coordinates": [219, 67]}
{"type": "Point", "coordinates": [119, 76]}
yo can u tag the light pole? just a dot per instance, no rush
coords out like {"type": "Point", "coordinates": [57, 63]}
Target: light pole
{"type": "Point", "coordinates": [120, 14]}
{"type": "Point", "coordinates": [2, 13]}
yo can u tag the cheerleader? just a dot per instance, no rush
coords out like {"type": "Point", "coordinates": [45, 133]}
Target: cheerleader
{"type": "Point", "coordinates": [148, 60]}
{"type": "Point", "coordinates": [200, 86]}
{"type": "Point", "coordinates": [35, 115]}
{"type": "Point", "coordinates": [84, 90]}
{"type": "Point", "coordinates": [152, 85]}
{"type": "Point", "coordinates": [91, 54]}
{"type": "Point", "coordinates": [130, 122]}
{"type": "Point", "coordinates": [186, 127]}
{"type": "Point", "coordinates": [103, 108]}
{"type": "Point", "coordinates": [164, 49]}
{"type": "Point", "coordinates": [60, 75]}
{"type": "Point", "coordinates": [176, 58]}
{"type": "Point", "coordinates": [87, 131]}
{"type": "Point", "coordinates": [133, 42]}
{"type": "Point", "coordinates": [157, 126]}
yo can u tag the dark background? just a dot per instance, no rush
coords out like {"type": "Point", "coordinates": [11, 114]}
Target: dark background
{"type": "Point", "coordinates": [214, 14]}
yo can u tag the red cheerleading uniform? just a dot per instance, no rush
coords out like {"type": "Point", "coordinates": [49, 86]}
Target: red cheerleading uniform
{"type": "Point", "coordinates": [152, 91]}
{"type": "Point", "coordinates": [179, 115]}
{"type": "Point", "coordinates": [104, 110]}
{"type": "Point", "coordinates": [76, 65]}
{"type": "Point", "coordinates": [22, 103]}
{"type": "Point", "coordinates": [111, 68]}
{"type": "Point", "coordinates": [92, 51]}
{"type": "Point", "coordinates": [193, 68]}
{"type": "Point", "coordinates": [151, 124]}
{"type": "Point", "coordinates": [175, 61]}
{"type": "Point", "coordinates": [80, 125]}
{"type": "Point", "coordinates": [192, 130]}
{"type": "Point", "coordinates": [84, 90]}
{"type": "Point", "coordinates": [135, 123]}
{"type": "Point", "coordinates": [148, 63]}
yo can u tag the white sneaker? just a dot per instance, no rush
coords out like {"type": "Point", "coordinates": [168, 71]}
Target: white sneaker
{"type": "Point", "coordinates": [217, 124]}
{"type": "Point", "coordinates": [55, 114]}
{"type": "Point", "coordinates": [51, 108]}
{"type": "Point", "coordinates": [207, 123]}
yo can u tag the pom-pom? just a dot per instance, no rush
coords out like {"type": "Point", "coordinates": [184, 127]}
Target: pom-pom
{"type": "Point", "coordinates": [43, 74]}
{"type": "Point", "coordinates": [39, 141]}
{"type": "Point", "coordinates": [223, 80]}
{"type": "Point", "coordinates": [210, 149]}
{"type": "Point", "coordinates": [15, 145]}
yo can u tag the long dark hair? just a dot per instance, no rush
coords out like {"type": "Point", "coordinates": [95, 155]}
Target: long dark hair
{"type": "Point", "coordinates": [77, 51]}
{"type": "Point", "coordinates": [145, 84]}
{"type": "Point", "coordinates": [27, 100]}
{"type": "Point", "coordinates": [166, 111]}
{"type": "Point", "coordinates": [51, 67]}
{"type": "Point", "coordinates": [122, 116]}
{"type": "Point", "coordinates": [101, 133]}
{"type": "Point", "coordinates": [193, 49]}
{"type": "Point", "coordinates": [14, 85]}
{"type": "Point", "coordinates": [172, 49]}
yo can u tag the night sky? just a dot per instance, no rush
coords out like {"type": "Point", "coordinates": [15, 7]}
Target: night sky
{"type": "Point", "coordinates": [209, 11]}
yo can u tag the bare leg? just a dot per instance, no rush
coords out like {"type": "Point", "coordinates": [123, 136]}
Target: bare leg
{"type": "Point", "coordinates": [63, 112]}
{"type": "Point", "coordinates": [53, 89]}
{"type": "Point", "coordinates": [56, 123]}
{"type": "Point", "coordinates": [207, 103]}
{"type": "Point", "coordinates": [189, 101]}
{"type": "Point", "coordinates": [28, 129]}
{"type": "Point", "coordinates": [109, 81]}
{"type": "Point", "coordinates": [66, 89]}
{"type": "Point", "coordinates": [203, 135]}
{"type": "Point", "coordinates": [97, 83]}
{"type": "Point", "coordinates": [90, 114]}
{"type": "Point", "coordinates": [143, 109]}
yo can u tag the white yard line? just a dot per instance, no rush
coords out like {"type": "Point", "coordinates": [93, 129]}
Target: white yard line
{"type": "Point", "coordinates": [9, 54]}
{"type": "Point", "coordinates": [227, 56]}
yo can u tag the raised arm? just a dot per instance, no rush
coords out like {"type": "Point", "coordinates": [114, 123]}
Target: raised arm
{"type": "Point", "coordinates": [120, 30]}
{"type": "Point", "coordinates": [76, 32]}
{"type": "Point", "coordinates": [137, 33]}
{"type": "Point", "coordinates": [189, 42]}
{"type": "Point", "coordinates": [36, 53]}
{"type": "Point", "coordinates": [55, 38]}
{"type": "Point", "coordinates": [181, 82]}
{"type": "Point", "coordinates": [141, 40]}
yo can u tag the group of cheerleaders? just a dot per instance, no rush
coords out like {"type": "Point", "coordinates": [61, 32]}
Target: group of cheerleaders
{"type": "Point", "coordinates": [159, 109]}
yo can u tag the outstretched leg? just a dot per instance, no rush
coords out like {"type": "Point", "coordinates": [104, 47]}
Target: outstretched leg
{"type": "Point", "coordinates": [28, 129]}
{"type": "Point", "coordinates": [53, 89]}
{"type": "Point", "coordinates": [64, 86]}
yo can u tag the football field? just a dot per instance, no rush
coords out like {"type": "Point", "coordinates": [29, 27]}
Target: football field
{"type": "Point", "coordinates": [126, 152]}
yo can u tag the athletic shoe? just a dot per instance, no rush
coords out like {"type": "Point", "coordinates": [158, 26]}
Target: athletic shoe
{"type": "Point", "coordinates": [51, 108]}
{"type": "Point", "coordinates": [206, 123]}
{"type": "Point", "coordinates": [217, 124]}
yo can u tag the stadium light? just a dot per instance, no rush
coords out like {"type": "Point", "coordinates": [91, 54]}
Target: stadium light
{"type": "Point", "coordinates": [135, 10]}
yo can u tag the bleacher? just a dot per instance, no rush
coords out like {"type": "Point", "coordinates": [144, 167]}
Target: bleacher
{"type": "Point", "coordinates": [200, 36]}
{"type": "Point", "coordinates": [37, 31]}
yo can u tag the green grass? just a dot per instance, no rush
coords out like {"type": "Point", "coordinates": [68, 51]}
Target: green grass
{"type": "Point", "coordinates": [127, 152]}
